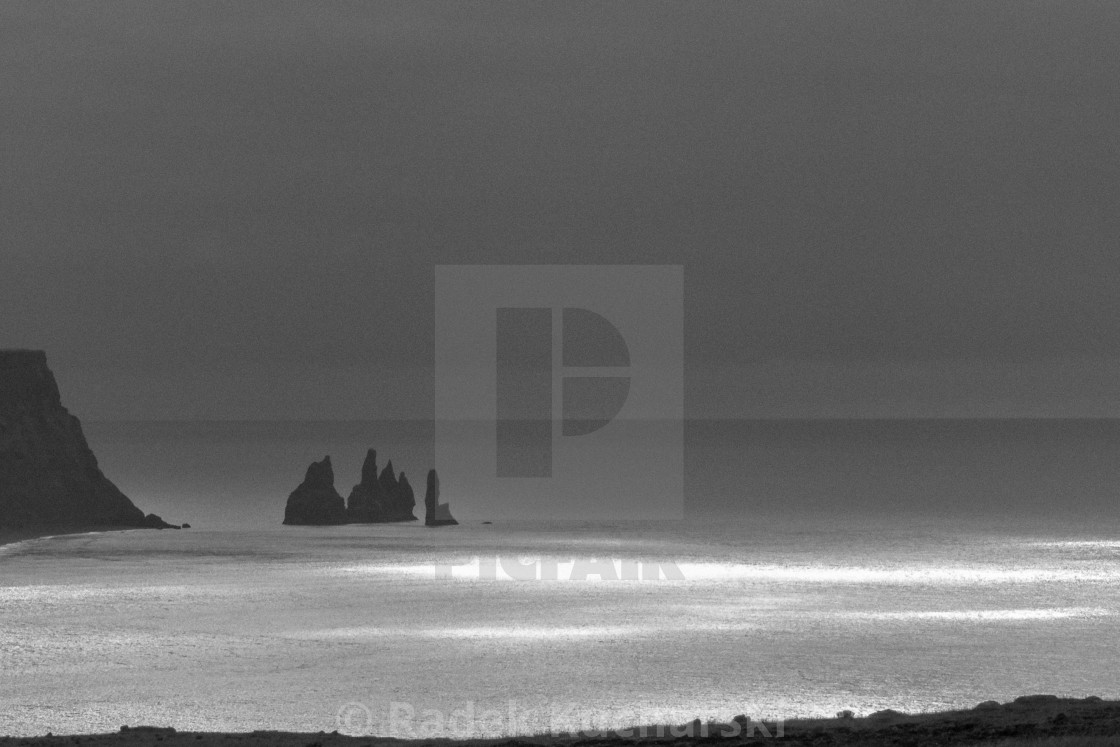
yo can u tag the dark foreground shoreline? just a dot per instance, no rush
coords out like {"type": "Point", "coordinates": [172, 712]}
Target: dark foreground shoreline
{"type": "Point", "coordinates": [1036, 720]}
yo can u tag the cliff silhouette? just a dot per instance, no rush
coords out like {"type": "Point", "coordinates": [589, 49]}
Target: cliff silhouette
{"type": "Point", "coordinates": [48, 474]}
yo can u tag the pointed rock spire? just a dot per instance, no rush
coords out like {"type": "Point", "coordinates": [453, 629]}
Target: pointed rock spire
{"type": "Point", "coordinates": [406, 498]}
{"type": "Point", "coordinates": [369, 468]}
{"type": "Point", "coordinates": [380, 498]}
{"type": "Point", "coordinates": [388, 479]}
{"type": "Point", "coordinates": [436, 514]}
{"type": "Point", "coordinates": [319, 474]}
{"type": "Point", "coordinates": [431, 497]}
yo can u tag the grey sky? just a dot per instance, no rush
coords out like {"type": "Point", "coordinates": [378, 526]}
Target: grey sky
{"type": "Point", "coordinates": [234, 210]}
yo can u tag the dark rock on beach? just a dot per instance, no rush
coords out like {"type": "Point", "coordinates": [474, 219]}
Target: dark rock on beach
{"type": "Point", "coordinates": [315, 501]}
{"type": "Point", "coordinates": [48, 474]}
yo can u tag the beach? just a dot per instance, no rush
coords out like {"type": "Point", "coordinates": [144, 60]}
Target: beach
{"type": "Point", "coordinates": [9, 536]}
{"type": "Point", "coordinates": [304, 629]}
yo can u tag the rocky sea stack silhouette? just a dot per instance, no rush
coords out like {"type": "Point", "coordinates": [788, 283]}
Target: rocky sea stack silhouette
{"type": "Point", "coordinates": [316, 501]}
{"type": "Point", "coordinates": [48, 474]}
{"type": "Point", "coordinates": [379, 497]}
{"type": "Point", "coordinates": [436, 514]}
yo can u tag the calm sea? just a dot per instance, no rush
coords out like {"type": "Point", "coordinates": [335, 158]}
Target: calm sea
{"type": "Point", "coordinates": [769, 600]}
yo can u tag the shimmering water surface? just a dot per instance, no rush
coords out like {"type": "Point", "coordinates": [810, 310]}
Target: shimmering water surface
{"type": "Point", "coordinates": [286, 628]}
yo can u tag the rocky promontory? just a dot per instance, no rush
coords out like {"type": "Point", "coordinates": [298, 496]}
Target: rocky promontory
{"type": "Point", "coordinates": [49, 477]}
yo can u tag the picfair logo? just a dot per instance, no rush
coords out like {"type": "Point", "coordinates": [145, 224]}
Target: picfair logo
{"type": "Point", "coordinates": [594, 382]}
{"type": "Point", "coordinates": [559, 390]}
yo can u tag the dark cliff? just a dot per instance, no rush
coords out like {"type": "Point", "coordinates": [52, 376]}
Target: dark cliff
{"type": "Point", "coordinates": [48, 475]}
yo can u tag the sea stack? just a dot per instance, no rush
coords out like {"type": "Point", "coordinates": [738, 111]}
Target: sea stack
{"type": "Point", "coordinates": [381, 498]}
{"type": "Point", "coordinates": [436, 514]}
{"type": "Point", "coordinates": [406, 498]}
{"type": "Point", "coordinates": [388, 479]}
{"type": "Point", "coordinates": [366, 494]}
{"type": "Point", "coordinates": [48, 474]}
{"type": "Point", "coordinates": [316, 501]}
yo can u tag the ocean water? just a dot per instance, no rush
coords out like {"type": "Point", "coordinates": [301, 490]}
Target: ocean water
{"type": "Point", "coordinates": [404, 630]}
{"type": "Point", "coordinates": [822, 565]}
{"type": "Point", "coordinates": [238, 474]}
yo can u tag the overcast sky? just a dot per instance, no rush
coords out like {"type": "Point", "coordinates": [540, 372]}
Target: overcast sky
{"type": "Point", "coordinates": [234, 210]}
